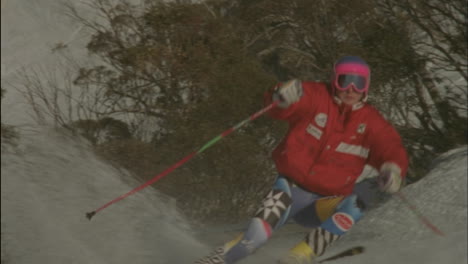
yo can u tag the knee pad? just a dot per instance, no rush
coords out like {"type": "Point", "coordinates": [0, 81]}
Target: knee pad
{"type": "Point", "coordinates": [282, 184]}
{"type": "Point", "coordinates": [347, 213]}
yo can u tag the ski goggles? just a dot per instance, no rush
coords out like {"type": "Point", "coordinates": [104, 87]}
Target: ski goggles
{"type": "Point", "coordinates": [360, 83]}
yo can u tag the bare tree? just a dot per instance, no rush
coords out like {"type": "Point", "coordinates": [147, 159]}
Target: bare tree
{"type": "Point", "coordinates": [143, 49]}
{"type": "Point", "coordinates": [50, 94]}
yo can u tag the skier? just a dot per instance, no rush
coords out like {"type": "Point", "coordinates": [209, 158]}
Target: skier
{"type": "Point", "coordinates": [333, 133]}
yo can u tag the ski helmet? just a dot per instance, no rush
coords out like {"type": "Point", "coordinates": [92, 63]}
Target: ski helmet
{"type": "Point", "coordinates": [351, 70]}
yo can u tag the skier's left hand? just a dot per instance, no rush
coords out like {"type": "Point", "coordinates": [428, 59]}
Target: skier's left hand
{"type": "Point", "coordinates": [389, 180]}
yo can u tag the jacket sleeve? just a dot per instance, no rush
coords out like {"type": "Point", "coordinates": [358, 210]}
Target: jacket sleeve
{"type": "Point", "coordinates": [386, 147]}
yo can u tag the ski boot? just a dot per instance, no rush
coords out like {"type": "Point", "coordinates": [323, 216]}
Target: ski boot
{"type": "Point", "coordinates": [300, 254]}
{"type": "Point", "coordinates": [218, 255]}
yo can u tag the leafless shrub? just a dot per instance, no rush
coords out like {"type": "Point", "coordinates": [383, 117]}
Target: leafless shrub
{"type": "Point", "coordinates": [8, 133]}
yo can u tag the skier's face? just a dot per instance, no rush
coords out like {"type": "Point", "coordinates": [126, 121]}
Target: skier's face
{"type": "Point", "coordinates": [350, 96]}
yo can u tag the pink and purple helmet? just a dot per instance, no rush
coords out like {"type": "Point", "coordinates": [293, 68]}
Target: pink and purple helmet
{"type": "Point", "coordinates": [351, 71]}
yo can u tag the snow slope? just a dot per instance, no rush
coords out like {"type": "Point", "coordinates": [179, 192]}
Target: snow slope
{"type": "Point", "coordinates": [48, 183]}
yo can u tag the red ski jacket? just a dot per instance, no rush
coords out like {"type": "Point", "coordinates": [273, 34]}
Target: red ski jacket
{"type": "Point", "coordinates": [328, 143]}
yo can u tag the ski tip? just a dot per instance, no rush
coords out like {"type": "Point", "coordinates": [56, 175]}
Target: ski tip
{"type": "Point", "coordinates": [90, 215]}
{"type": "Point", "coordinates": [358, 250]}
{"type": "Point", "coordinates": [347, 253]}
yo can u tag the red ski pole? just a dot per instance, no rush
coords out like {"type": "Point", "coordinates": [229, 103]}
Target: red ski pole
{"type": "Point", "coordinates": [184, 160]}
{"type": "Point", "coordinates": [420, 216]}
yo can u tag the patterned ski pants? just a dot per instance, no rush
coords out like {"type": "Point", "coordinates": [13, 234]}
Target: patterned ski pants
{"type": "Point", "coordinates": [330, 217]}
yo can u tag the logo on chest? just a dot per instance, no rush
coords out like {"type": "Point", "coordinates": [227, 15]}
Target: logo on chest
{"type": "Point", "coordinates": [321, 119]}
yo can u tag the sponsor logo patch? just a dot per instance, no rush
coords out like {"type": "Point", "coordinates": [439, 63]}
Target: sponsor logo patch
{"type": "Point", "coordinates": [314, 131]}
{"type": "Point", "coordinates": [343, 221]}
{"type": "Point", "coordinates": [321, 119]}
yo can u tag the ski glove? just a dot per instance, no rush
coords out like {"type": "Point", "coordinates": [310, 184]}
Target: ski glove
{"type": "Point", "coordinates": [389, 180]}
{"type": "Point", "coordinates": [288, 93]}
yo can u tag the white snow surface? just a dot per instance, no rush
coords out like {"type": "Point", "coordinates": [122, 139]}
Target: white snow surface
{"type": "Point", "coordinates": [48, 183]}
{"type": "Point", "coordinates": [50, 180]}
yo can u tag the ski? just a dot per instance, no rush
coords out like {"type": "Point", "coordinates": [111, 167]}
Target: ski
{"type": "Point", "coordinates": [347, 253]}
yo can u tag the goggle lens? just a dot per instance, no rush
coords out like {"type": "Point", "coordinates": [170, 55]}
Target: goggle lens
{"type": "Point", "coordinates": [345, 80]}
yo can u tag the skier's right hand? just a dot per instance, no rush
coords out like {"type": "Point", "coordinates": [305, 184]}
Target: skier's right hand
{"type": "Point", "coordinates": [288, 93]}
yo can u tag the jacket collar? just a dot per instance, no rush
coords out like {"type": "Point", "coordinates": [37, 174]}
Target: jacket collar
{"type": "Point", "coordinates": [354, 107]}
